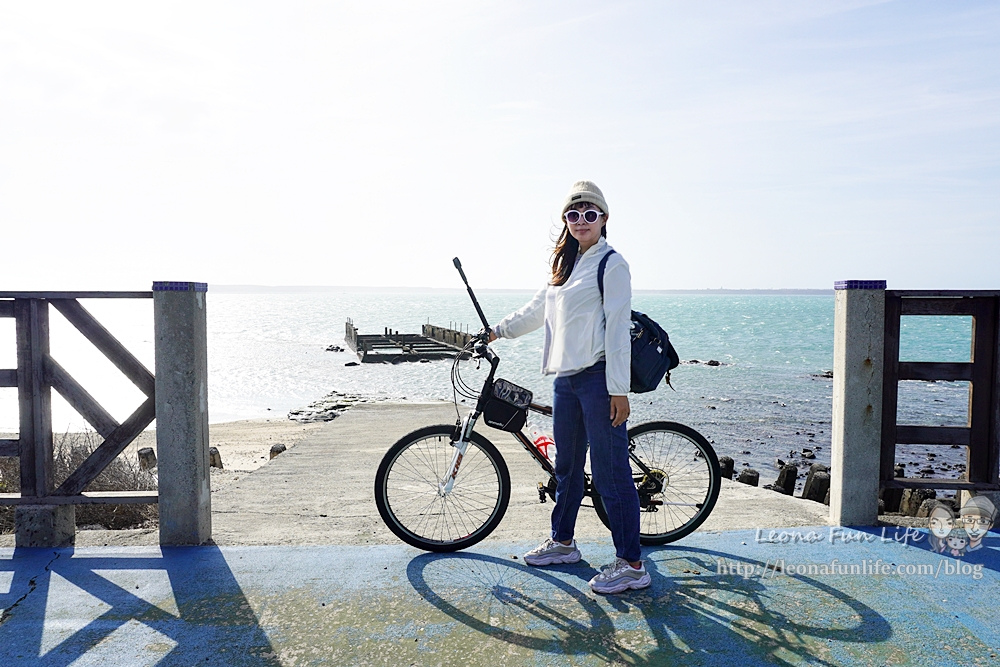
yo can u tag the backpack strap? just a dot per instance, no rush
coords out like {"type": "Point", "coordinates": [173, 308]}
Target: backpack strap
{"type": "Point", "coordinates": [600, 271]}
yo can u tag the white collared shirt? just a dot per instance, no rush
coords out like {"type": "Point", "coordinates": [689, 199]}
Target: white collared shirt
{"type": "Point", "coordinates": [580, 328]}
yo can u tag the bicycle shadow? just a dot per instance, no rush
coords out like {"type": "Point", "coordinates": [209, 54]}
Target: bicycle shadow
{"type": "Point", "coordinates": [683, 616]}
{"type": "Point", "coordinates": [768, 618]}
{"type": "Point", "coordinates": [176, 606]}
{"type": "Point", "coordinates": [503, 600]}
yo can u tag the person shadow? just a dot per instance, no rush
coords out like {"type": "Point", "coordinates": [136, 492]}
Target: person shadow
{"type": "Point", "coordinates": [167, 606]}
{"type": "Point", "coordinates": [694, 616]}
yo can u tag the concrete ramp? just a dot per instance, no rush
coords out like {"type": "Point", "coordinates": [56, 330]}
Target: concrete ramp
{"type": "Point", "coordinates": [320, 492]}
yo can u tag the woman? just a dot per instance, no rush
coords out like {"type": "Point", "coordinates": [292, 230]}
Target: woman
{"type": "Point", "coordinates": [940, 523]}
{"type": "Point", "coordinates": [587, 348]}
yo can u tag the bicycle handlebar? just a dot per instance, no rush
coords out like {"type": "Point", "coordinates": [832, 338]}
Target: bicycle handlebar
{"type": "Point", "coordinates": [458, 265]}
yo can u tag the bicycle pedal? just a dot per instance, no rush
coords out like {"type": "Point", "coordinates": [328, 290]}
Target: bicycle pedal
{"type": "Point", "coordinates": [541, 493]}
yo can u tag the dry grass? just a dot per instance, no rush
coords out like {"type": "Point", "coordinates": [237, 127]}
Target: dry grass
{"type": "Point", "coordinates": [123, 474]}
{"type": "Point", "coordinates": [9, 483]}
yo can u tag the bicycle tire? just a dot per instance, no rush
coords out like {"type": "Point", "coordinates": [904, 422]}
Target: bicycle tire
{"type": "Point", "coordinates": [690, 471]}
{"type": "Point", "coordinates": [406, 490]}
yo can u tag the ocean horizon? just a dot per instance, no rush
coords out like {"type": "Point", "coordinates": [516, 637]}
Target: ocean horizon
{"type": "Point", "coordinates": [296, 289]}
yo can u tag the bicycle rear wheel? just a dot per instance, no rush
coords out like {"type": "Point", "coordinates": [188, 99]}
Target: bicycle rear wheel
{"type": "Point", "coordinates": [411, 505]}
{"type": "Point", "coordinates": [683, 484]}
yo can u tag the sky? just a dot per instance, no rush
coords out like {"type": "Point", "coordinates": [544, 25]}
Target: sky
{"type": "Point", "coordinates": [739, 144]}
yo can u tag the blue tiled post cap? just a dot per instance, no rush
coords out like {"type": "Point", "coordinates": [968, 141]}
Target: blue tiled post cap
{"type": "Point", "coordinates": [859, 284]}
{"type": "Point", "coordinates": [174, 286]}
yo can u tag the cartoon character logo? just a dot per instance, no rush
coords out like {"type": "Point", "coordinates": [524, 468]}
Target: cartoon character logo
{"type": "Point", "coordinates": [977, 516]}
{"type": "Point", "coordinates": [956, 542]}
{"type": "Point", "coordinates": [941, 522]}
{"type": "Point", "coordinates": [956, 537]}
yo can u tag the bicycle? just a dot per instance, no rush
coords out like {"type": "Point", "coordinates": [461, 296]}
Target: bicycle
{"type": "Point", "coordinates": [446, 487]}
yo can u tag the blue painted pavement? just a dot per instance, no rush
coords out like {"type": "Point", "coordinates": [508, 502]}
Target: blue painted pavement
{"type": "Point", "coordinates": [810, 596]}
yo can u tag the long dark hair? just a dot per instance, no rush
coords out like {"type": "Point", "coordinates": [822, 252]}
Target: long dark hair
{"type": "Point", "coordinates": [564, 255]}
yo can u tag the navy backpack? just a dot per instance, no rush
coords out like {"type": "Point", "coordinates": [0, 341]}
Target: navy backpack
{"type": "Point", "coordinates": [653, 357]}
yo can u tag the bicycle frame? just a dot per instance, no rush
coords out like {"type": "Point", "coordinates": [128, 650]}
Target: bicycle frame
{"type": "Point", "coordinates": [464, 432]}
{"type": "Point", "coordinates": [465, 427]}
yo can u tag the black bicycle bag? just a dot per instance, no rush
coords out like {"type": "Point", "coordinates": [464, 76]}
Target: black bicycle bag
{"type": "Point", "coordinates": [507, 406]}
{"type": "Point", "coordinates": [653, 356]}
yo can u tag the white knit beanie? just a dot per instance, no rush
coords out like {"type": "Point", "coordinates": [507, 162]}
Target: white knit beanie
{"type": "Point", "coordinates": [588, 192]}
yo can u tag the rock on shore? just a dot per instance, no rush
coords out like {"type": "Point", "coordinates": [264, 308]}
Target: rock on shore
{"type": "Point", "coordinates": [329, 407]}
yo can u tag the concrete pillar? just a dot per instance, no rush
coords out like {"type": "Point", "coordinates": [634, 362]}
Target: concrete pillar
{"type": "Point", "coordinates": [858, 342]}
{"type": "Point", "coordinates": [180, 331]}
{"type": "Point", "coordinates": [44, 526]}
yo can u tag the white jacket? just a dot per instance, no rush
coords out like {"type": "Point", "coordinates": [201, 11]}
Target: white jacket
{"type": "Point", "coordinates": [579, 328]}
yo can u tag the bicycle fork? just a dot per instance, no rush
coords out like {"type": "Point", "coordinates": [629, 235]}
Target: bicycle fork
{"type": "Point", "coordinates": [461, 445]}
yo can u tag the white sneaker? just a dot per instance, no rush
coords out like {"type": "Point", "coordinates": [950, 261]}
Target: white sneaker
{"type": "Point", "coordinates": [620, 576]}
{"type": "Point", "coordinates": [551, 552]}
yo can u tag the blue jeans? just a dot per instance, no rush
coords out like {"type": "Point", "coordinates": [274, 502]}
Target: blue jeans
{"type": "Point", "coordinates": [581, 411]}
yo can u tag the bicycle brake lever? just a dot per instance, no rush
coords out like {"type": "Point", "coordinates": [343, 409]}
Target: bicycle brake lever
{"type": "Point", "coordinates": [480, 348]}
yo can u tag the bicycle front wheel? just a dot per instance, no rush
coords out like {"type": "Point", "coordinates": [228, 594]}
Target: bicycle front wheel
{"type": "Point", "coordinates": [682, 485]}
{"type": "Point", "coordinates": [412, 504]}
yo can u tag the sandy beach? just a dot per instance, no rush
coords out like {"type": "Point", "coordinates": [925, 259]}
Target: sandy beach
{"type": "Point", "coordinates": [244, 445]}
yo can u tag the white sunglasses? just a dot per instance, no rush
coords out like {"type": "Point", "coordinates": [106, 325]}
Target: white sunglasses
{"type": "Point", "coordinates": [588, 217]}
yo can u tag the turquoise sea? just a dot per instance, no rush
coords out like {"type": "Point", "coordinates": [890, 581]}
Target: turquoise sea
{"type": "Point", "coordinates": [768, 399]}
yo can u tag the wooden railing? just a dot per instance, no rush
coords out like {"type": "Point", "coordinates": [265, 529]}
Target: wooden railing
{"type": "Point", "coordinates": [37, 373]}
{"type": "Point", "coordinates": [981, 434]}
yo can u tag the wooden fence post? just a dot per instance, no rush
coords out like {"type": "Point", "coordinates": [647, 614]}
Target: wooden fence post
{"type": "Point", "coordinates": [40, 525]}
{"type": "Point", "coordinates": [858, 348]}
{"type": "Point", "coordinates": [180, 330]}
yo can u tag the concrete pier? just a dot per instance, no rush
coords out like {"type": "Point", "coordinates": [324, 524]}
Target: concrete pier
{"type": "Point", "coordinates": [180, 327]}
{"type": "Point", "coordinates": [858, 343]}
{"type": "Point", "coordinates": [45, 525]}
{"type": "Point", "coordinates": [392, 347]}
{"type": "Point", "coordinates": [304, 572]}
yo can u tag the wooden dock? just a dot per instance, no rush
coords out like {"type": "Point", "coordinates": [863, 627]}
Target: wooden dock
{"type": "Point", "coordinates": [393, 347]}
